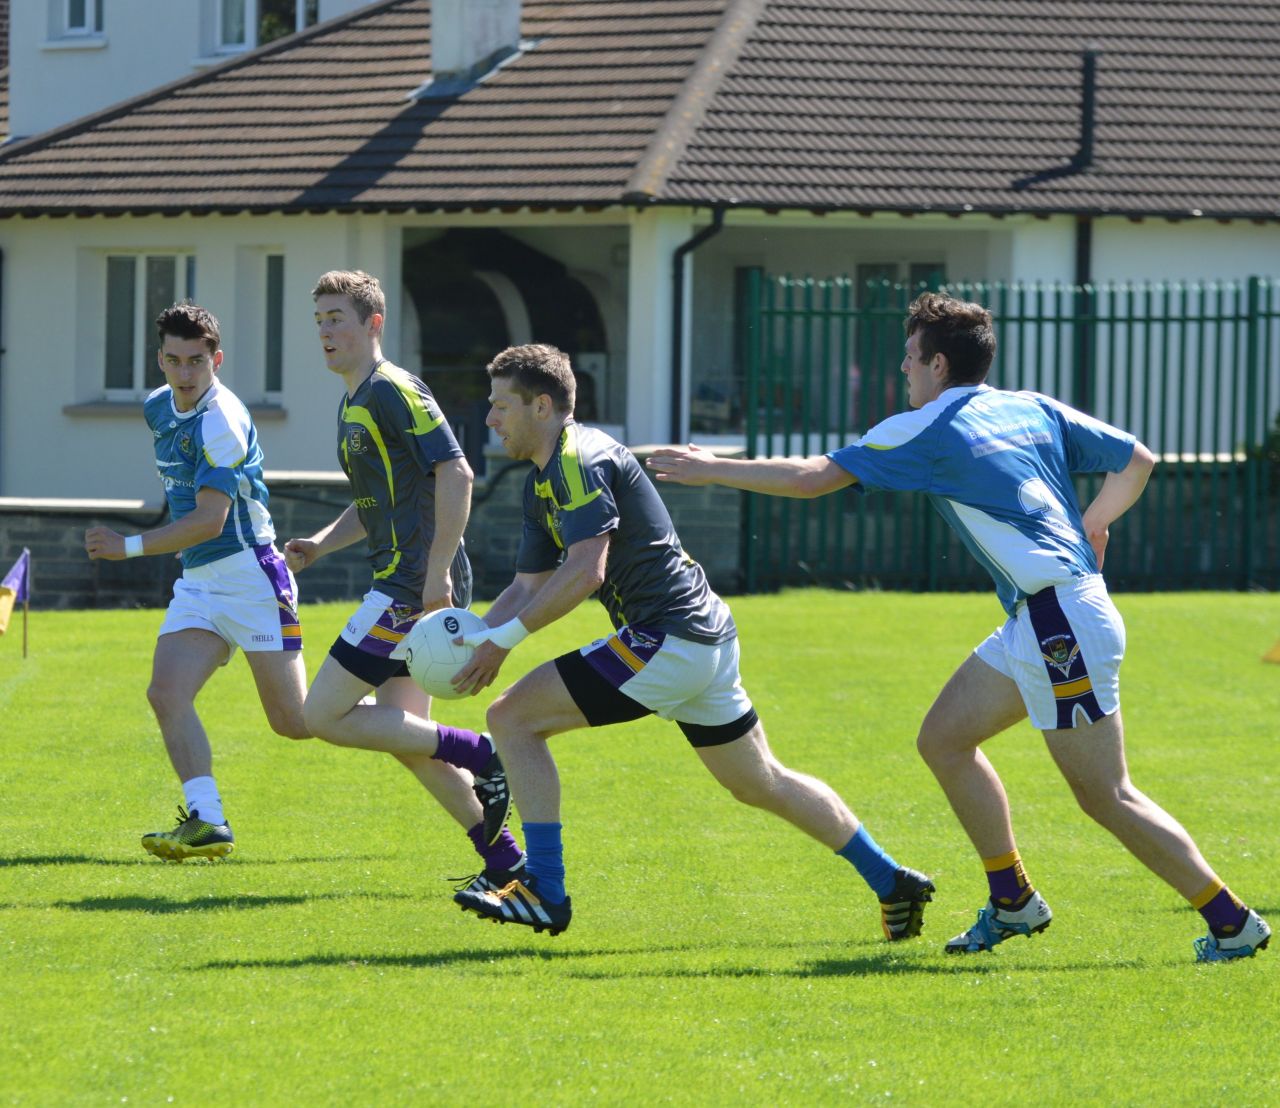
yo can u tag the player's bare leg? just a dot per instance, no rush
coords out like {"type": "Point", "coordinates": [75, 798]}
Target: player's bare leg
{"type": "Point", "coordinates": [182, 664]}
{"type": "Point", "coordinates": [281, 679]}
{"type": "Point", "coordinates": [449, 785]}
{"type": "Point", "coordinates": [1092, 761]}
{"type": "Point", "coordinates": [749, 770]}
{"type": "Point", "coordinates": [976, 704]}
{"type": "Point", "coordinates": [333, 712]}
{"type": "Point", "coordinates": [521, 721]}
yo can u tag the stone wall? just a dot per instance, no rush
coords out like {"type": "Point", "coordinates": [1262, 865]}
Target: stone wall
{"type": "Point", "coordinates": [708, 521]}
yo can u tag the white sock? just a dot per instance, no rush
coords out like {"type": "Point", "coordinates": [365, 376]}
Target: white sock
{"type": "Point", "coordinates": [202, 796]}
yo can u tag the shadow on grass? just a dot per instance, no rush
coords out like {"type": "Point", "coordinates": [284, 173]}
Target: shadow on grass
{"type": "Point", "coordinates": [433, 960]}
{"type": "Point", "coordinates": [64, 860]}
{"type": "Point", "coordinates": [147, 860]}
{"type": "Point", "coordinates": [866, 966]}
{"type": "Point", "coordinates": [869, 965]}
{"type": "Point", "coordinates": [160, 905]}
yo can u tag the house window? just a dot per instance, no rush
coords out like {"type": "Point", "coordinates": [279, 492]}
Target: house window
{"type": "Point", "coordinates": [82, 17]}
{"type": "Point", "coordinates": [139, 288]}
{"type": "Point", "coordinates": [274, 359]}
{"type": "Point", "coordinates": [244, 24]}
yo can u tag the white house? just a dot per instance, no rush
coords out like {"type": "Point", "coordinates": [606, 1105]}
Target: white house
{"type": "Point", "coordinates": [545, 171]}
{"type": "Point", "coordinates": [69, 58]}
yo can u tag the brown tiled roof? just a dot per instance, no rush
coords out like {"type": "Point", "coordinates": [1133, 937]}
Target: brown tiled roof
{"type": "Point", "coordinates": [942, 104]}
{"type": "Point", "coordinates": [903, 105]}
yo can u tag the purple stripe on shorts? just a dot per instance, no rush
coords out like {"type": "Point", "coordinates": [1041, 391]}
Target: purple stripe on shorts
{"type": "Point", "coordinates": [1063, 658]}
{"type": "Point", "coordinates": [614, 666]}
{"type": "Point", "coordinates": [273, 565]}
{"type": "Point", "coordinates": [392, 626]}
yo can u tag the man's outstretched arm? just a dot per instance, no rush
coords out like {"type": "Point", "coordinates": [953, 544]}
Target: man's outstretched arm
{"type": "Point", "coordinates": [806, 478]}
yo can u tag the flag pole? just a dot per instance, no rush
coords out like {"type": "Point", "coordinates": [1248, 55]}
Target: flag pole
{"type": "Point", "coordinates": [26, 607]}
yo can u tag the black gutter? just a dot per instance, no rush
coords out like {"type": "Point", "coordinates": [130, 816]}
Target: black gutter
{"type": "Point", "coordinates": [677, 317]}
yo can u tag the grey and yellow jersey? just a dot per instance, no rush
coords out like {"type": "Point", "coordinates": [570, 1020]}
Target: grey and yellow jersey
{"type": "Point", "coordinates": [592, 486]}
{"type": "Point", "coordinates": [391, 436]}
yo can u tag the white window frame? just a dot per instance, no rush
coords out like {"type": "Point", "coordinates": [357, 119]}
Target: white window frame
{"type": "Point", "coordinates": [143, 320]}
{"type": "Point", "coordinates": [251, 16]}
{"type": "Point", "coordinates": [92, 20]}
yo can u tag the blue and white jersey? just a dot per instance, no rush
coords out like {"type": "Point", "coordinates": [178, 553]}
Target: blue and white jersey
{"type": "Point", "coordinates": [215, 445]}
{"type": "Point", "coordinates": [997, 465]}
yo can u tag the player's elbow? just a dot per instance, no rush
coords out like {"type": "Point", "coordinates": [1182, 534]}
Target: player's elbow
{"type": "Point", "coordinates": [1143, 461]}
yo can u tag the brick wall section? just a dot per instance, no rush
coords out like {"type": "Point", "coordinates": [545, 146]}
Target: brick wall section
{"type": "Point", "coordinates": [707, 520]}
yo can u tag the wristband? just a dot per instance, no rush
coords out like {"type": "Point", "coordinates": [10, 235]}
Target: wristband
{"type": "Point", "coordinates": [509, 634]}
{"type": "Point", "coordinates": [132, 546]}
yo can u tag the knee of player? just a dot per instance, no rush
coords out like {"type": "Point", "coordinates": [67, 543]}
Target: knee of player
{"type": "Point", "coordinates": [291, 726]}
{"type": "Point", "coordinates": [1102, 800]}
{"type": "Point", "coordinates": [502, 717]}
{"type": "Point", "coordinates": [315, 722]}
{"type": "Point", "coordinates": [926, 743]}
{"type": "Point", "coordinates": [164, 699]}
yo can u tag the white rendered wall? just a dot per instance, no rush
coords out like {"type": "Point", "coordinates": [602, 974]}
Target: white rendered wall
{"type": "Point", "coordinates": [144, 44]}
{"type": "Point", "coordinates": [53, 356]}
{"type": "Point", "coordinates": [655, 235]}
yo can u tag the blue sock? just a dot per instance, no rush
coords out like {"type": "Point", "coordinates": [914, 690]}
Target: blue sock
{"type": "Point", "coordinates": [544, 859]}
{"type": "Point", "coordinates": [875, 866]}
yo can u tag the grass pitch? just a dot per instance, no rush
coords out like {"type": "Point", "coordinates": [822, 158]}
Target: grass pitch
{"type": "Point", "coordinates": [716, 954]}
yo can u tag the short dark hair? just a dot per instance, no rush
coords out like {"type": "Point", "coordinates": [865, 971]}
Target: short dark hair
{"type": "Point", "coordinates": [186, 320]}
{"type": "Point", "coordinates": [957, 329]}
{"type": "Point", "coordinates": [534, 369]}
{"type": "Point", "coordinates": [361, 288]}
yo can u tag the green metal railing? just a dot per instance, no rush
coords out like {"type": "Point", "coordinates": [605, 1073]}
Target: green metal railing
{"type": "Point", "coordinates": [1192, 369]}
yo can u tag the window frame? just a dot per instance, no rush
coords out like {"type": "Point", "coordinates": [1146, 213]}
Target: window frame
{"type": "Point", "coordinates": [142, 323]}
{"type": "Point", "coordinates": [91, 23]}
{"type": "Point", "coordinates": [250, 12]}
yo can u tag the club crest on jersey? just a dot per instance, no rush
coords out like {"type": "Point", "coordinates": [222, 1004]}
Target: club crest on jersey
{"type": "Point", "coordinates": [184, 444]}
{"type": "Point", "coordinates": [357, 443]}
{"type": "Point", "coordinates": [403, 613]}
{"type": "Point", "coordinates": [1060, 651]}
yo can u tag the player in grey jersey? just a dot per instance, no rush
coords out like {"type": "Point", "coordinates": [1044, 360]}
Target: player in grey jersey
{"type": "Point", "coordinates": [411, 495]}
{"type": "Point", "coordinates": [593, 521]}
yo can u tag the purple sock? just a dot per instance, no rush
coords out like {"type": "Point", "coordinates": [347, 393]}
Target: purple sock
{"type": "Point", "coordinates": [1224, 914]}
{"type": "Point", "coordinates": [462, 748]}
{"type": "Point", "coordinates": [504, 854]}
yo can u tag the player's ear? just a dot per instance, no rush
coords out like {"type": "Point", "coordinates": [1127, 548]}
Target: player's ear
{"type": "Point", "coordinates": [217, 359]}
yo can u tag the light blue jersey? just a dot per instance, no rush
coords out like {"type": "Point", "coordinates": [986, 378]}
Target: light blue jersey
{"type": "Point", "coordinates": [997, 465]}
{"type": "Point", "coordinates": [215, 445]}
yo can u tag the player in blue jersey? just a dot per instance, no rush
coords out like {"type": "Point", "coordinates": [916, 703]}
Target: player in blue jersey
{"type": "Point", "coordinates": [593, 522]}
{"type": "Point", "coordinates": [997, 465]}
{"type": "Point", "coordinates": [235, 589]}
{"type": "Point", "coordinates": [411, 489]}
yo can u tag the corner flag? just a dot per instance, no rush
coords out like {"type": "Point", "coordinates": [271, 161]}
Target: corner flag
{"type": "Point", "coordinates": [15, 588]}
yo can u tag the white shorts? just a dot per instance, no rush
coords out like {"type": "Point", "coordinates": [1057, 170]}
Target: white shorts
{"type": "Point", "coordinates": [689, 682]}
{"type": "Point", "coordinates": [249, 598]}
{"type": "Point", "coordinates": [1063, 649]}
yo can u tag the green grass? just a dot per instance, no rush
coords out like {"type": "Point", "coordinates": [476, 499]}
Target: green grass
{"type": "Point", "coordinates": [716, 955]}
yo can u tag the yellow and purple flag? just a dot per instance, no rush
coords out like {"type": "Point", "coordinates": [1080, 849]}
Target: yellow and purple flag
{"type": "Point", "coordinates": [15, 588]}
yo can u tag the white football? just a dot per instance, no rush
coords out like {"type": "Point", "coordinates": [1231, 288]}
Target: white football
{"type": "Point", "coordinates": [430, 653]}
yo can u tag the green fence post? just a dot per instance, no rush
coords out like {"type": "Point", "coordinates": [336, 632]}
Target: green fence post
{"type": "Point", "coordinates": [1253, 441]}
{"type": "Point", "coordinates": [751, 345]}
